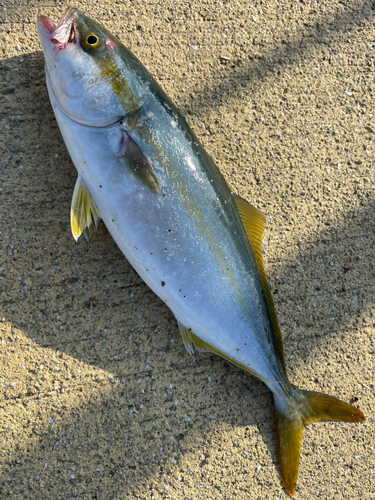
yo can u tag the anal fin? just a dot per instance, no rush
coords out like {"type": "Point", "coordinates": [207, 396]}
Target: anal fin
{"type": "Point", "coordinates": [84, 214]}
{"type": "Point", "coordinates": [191, 340]}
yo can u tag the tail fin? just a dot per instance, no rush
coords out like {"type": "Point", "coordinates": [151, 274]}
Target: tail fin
{"type": "Point", "coordinates": [307, 407]}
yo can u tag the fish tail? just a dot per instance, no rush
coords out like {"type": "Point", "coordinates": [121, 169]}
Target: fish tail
{"type": "Point", "coordinates": [304, 408]}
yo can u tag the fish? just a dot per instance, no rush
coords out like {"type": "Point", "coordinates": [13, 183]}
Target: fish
{"type": "Point", "coordinates": [196, 244]}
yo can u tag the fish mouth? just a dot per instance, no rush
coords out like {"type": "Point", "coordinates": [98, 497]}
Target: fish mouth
{"type": "Point", "coordinates": [64, 33]}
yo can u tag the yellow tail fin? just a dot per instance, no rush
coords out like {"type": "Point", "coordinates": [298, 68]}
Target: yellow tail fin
{"type": "Point", "coordinates": [308, 407]}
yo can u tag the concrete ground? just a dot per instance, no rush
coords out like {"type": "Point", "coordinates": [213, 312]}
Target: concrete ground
{"type": "Point", "coordinates": [98, 397]}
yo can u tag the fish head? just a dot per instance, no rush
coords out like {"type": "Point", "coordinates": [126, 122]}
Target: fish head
{"type": "Point", "coordinates": [85, 71]}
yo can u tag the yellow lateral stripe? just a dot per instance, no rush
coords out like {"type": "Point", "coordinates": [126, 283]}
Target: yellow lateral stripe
{"type": "Point", "coordinates": [110, 69]}
{"type": "Point", "coordinates": [255, 222]}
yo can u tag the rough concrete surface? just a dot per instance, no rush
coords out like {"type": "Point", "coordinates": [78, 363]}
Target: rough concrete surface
{"type": "Point", "coordinates": [99, 398]}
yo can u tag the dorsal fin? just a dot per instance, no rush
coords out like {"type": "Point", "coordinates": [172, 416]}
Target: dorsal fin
{"type": "Point", "coordinates": [84, 214]}
{"type": "Point", "coordinates": [255, 222]}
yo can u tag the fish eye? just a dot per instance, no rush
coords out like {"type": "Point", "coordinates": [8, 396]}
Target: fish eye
{"type": "Point", "coordinates": [91, 40]}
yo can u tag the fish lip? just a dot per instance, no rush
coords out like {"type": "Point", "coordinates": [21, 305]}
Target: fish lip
{"type": "Point", "coordinates": [48, 23]}
{"type": "Point", "coordinates": [64, 33]}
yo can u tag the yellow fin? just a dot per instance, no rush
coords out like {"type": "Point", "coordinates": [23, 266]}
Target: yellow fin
{"type": "Point", "coordinates": [84, 214]}
{"type": "Point", "coordinates": [191, 340]}
{"type": "Point", "coordinates": [306, 407]}
{"type": "Point", "coordinates": [255, 222]}
{"type": "Point", "coordinates": [289, 442]}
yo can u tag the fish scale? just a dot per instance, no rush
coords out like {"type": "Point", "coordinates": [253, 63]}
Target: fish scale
{"type": "Point", "coordinates": [197, 245]}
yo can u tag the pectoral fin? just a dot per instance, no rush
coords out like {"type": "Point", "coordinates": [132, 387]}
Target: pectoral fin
{"type": "Point", "coordinates": [136, 161]}
{"type": "Point", "coordinates": [84, 214]}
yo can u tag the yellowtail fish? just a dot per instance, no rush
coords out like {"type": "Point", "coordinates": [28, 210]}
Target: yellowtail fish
{"type": "Point", "coordinates": [197, 245]}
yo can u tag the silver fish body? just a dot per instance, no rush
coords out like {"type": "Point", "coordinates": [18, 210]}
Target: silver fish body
{"type": "Point", "coordinates": [197, 245]}
{"type": "Point", "coordinates": [186, 242]}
